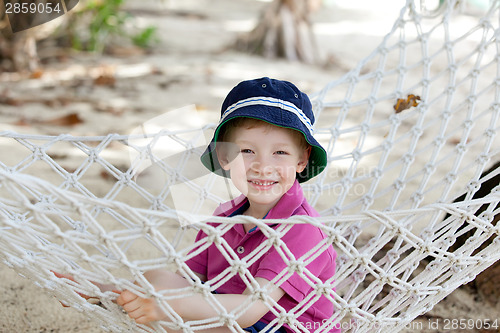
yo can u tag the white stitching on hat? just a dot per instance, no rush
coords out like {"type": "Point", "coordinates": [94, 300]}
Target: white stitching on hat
{"type": "Point", "coordinates": [269, 101]}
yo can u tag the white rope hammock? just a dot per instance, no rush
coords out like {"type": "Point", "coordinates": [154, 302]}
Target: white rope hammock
{"type": "Point", "coordinates": [78, 205]}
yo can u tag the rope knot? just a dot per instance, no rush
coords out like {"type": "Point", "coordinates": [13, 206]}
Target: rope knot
{"type": "Point", "coordinates": [356, 155]}
{"type": "Point", "coordinates": [387, 145]}
{"type": "Point", "coordinates": [359, 275]}
{"type": "Point", "coordinates": [460, 148]}
{"type": "Point", "coordinates": [71, 180]}
{"type": "Point", "coordinates": [487, 216]}
{"type": "Point", "coordinates": [125, 178]}
{"type": "Point", "coordinates": [295, 266]}
{"type": "Point", "coordinates": [417, 131]}
{"type": "Point", "coordinates": [274, 238]}
{"type": "Point", "coordinates": [156, 203]}
{"type": "Point", "coordinates": [238, 266]}
{"type": "Point", "coordinates": [398, 184]}
{"type": "Point", "coordinates": [417, 197]}
{"type": "Point", "coordinates": [38, 153]}
{"type": "Point", "coordinates": [92, 156]}
{"type": "Point", "coordinates": [392, 255]}
{"type": "Point", "coordinates": [450, 177]}
{"type": "Point", "coordinates": [408, 158]}
{"type": "Point", "coordinates": [473, 186]}
{"type": "Point", "coordinates": [202, 289]}
{"type": "Point", "coordinates": [483, 159]}
{"type": "Point", "coordinates": [286, 318]}
{"type": "Point", "coordinates": [376, 173]}
{"type": "Point", "coordinates": [438, 141]}
{"type": "Point", "coordinates": [490, 133]}
{"type": "Point", "coordinates": [367, 200]}
{"type": "Point", "coordinates": [429, 168]}
{"type": "Point", "coordinates": [446, 114]}
{"type": "Point", "coordinates": [335, 210]}
{"type": "Point", "coordinates": [203, 193]}
{"type": "Point", "coordinates": [226, 319]}
{"type": "Point", "coordinates": [259, 295]}
{"type": "Point", "coordinates": [323, 289]}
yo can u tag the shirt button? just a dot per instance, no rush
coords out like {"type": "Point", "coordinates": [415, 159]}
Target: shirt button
{"type": "Point", "coordinates": [240, 249]}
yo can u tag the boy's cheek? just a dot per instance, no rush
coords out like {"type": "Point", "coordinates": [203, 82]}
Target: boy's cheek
{"type": "Point", "coordinates": [287, 169]}
{"type": "Point", "coordinates": [239, 180]}
{"type": "Point", "coordinates": [238, 163]}
{"type": "Point", "coordinates": [238, 169]}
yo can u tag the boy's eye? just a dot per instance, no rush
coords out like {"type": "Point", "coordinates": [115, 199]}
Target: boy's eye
{"type": "Point", "coordinates": [281, 152]}
{"type": "Point", "coordinates": [246, 151]}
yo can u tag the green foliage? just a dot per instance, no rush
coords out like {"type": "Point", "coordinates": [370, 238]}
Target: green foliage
{"type": "Point", "coordinates": [145, 37]}
{"type": "Point", "coordinates": [101, 21]}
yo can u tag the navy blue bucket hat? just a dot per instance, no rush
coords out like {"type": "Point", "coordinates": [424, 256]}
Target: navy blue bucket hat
{"type": "Point", "coordinates": [277, 102]}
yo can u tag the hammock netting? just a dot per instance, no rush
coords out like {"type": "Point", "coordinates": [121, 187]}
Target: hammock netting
{"type": "Point", "coordinates": [109, 208]}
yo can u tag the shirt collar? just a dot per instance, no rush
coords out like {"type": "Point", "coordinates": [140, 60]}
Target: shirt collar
{"type": "Point", "coordinates": [288, 203]}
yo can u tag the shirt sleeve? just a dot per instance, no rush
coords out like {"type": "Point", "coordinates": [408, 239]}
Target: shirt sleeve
{"type": "Point", "coordinates": [299, 240]}
{"type": "Point", "coordinates": [199, 262]}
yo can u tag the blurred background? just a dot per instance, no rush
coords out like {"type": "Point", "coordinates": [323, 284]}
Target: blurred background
{"type": "Point", "coordinates": [131, 60]}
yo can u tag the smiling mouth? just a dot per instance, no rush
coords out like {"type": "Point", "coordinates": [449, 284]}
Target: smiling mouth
{"type": "Point", "coordinates": [262, 182]}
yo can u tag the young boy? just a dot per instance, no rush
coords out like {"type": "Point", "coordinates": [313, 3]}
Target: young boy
{"type": "Point", "coordinates": [264, 143]}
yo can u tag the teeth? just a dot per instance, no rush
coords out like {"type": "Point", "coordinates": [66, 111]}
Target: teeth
{"type": "Point", "coordinates": [262, 183]}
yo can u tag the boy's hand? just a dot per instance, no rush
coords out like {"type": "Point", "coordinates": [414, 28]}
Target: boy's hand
{"type": "Point", "coordinates": [142, 310]}
{"type": "Point", "coordinates": [90, 299]}
{"type": "Point", "coordinates": [69, 277]}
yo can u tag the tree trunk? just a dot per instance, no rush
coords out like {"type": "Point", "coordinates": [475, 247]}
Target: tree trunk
{"type": "Point", "coordinates": [18, 42]}
{"type": "Point", "coordinates": [283, 30]}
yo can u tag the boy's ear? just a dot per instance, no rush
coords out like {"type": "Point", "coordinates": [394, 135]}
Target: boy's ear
{"type": "Point", "coordinates": [304, 159]}
{"type": "Point", "coordinates": [222, 157]}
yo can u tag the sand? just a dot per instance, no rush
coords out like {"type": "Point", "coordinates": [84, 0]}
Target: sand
{"type": "Point", "coordinates": [190, 65]}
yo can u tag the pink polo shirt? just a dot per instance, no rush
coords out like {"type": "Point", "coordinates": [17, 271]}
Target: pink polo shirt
{"type": "Point", "coordinates": [299, 240]}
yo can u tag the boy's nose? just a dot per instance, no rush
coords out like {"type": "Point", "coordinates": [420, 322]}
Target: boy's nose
{"type": "Point", "coordinates": [262, 166]}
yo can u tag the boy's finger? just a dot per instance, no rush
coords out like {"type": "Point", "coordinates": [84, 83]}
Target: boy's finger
{"type": "Point", "coordinates": [87, 297]}
{"type": "Point", "coordinates": [117, 292]}
{"type": "Point", "coordinates": [63, 276]}
{"type": "Point", "coordinates": [69, 277]}
{"type": "Point", "coordinates": [120, 300]}
{"type": "Point", "coordinates": [63, 304]}
{"type": "Point", "coordinates": [125, 297]}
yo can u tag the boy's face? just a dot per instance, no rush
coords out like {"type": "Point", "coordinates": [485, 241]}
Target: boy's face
{"type": "Point", "coordinates": [263, 162]}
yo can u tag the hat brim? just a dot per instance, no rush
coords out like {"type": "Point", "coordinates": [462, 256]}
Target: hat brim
{"type": "Point", "coordinates": [317, 160]}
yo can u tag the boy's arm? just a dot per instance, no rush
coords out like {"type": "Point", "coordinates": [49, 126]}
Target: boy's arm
{"type": "Point", "coordinates": [205, 309]}
{"type": "Point", "coordinates": [194, 307]}
{"type": "Point", "coordinates": [200, 276]}
{"type": "Point", "coordinates": [102, 287]}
